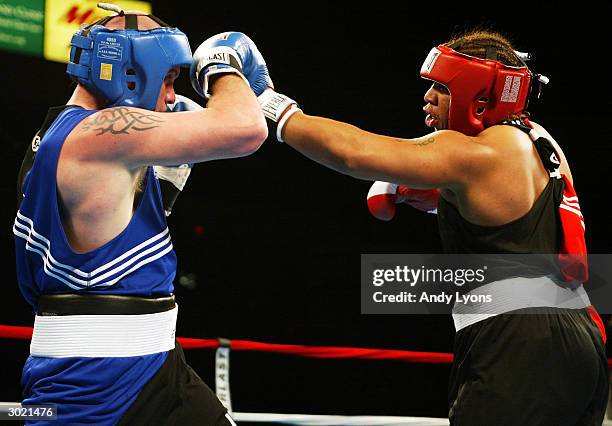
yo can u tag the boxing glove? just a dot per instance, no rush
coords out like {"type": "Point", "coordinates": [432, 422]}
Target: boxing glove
{"type": "Point", "coordinates": [384, 196]}
{"type": "Point", "coordinates": [277, 108]}
{"type": "Point", "coordinates": [172, 179]}
{"type": "Point", "coordinates": [229, 52]}
{"type": "Point", "coordinates": [425, 200]}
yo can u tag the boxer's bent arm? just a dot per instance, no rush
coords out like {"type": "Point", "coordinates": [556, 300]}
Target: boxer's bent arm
{"type": "Point", "coordinates": [442, 159]}
{"type": "Point", "coordinates": [231, 126]}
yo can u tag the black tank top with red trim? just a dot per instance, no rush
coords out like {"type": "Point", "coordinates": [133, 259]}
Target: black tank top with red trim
{"type": "Point", "coordinates": [553, 226]}
{"type": "Point", "coordinates": [538, 231]}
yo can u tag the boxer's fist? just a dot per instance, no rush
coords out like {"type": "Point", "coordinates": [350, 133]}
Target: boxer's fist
{"type": "Point", "coordinates": [425, 200]}
{"type": "Point", "coordinates": [229, 52]}
{"type": "Point", "coordinates": [382, 198]}
{"type": "Point", "coordinates": [277, 108]}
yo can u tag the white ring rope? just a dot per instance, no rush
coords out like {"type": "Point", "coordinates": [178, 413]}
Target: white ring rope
{"type": "Point", "coordinates": [310, 419]}
{"type": "Point", "coordinates": [222, 368]}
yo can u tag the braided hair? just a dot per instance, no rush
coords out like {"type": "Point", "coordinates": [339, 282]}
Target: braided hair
{"type": "Point", "coordinates": [486, 44]}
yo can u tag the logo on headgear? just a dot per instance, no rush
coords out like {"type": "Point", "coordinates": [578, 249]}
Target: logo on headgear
{"type": "Point", "coordinates": [512, 86]}
{"type": "Point", "coordinates": [106, 71]}
{"type": "Point", "coordinates": [430, 61]}
{"type": "Point", "coordinates": [110, 49]}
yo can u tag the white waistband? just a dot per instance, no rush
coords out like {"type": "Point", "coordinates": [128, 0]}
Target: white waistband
{"type": "Point", "coordinates": [511, 294]}
{"type": "Point", "coordinates": [103, 335]}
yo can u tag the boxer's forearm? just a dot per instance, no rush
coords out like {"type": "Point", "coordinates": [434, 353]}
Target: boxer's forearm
{"type": "Point", "coordinates": [332, 143]}
{"type": "Point", "coordinates": [437, 160]}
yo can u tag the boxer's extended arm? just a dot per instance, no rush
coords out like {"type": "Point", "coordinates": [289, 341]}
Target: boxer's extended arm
{"type": "Point", "coordinates": [443, 159]}
{"type": "Point", "coordinates": [230, 126]}
{"type": "Point", "coordinates": [439, 160]}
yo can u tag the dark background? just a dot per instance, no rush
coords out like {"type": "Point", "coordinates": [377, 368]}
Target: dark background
{"type": "Point", "coordinates": [277, 250]}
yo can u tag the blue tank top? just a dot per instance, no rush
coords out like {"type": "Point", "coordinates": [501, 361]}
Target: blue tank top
{"type": "Point", "coordinates": [138, 261]}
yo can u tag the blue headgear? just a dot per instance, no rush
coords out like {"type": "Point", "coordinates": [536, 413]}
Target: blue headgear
{"type": "Point", "coordinates": [127, 67]}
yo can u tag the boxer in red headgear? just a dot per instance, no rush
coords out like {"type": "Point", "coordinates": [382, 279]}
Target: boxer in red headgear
{"type": "Point", "coordinates": [500, 184]}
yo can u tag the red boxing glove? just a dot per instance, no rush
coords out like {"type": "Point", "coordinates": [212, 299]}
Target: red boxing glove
{"type": "Point", "coordinates": [381, 200]}
{"type": "Point", "coordinates": [383, 196]}
{"type": "Point", "coordinates": [421, 199]}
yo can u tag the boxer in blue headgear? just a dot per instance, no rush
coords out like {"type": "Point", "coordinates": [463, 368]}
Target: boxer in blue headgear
{"type": "Point", "coordinates": [94, 254]}
{"type": "Point", "coordinates": [126, 66]}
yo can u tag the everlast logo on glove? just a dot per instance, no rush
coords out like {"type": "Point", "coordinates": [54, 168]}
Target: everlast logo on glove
{"type": "Point", "coordinates": [220, 57]}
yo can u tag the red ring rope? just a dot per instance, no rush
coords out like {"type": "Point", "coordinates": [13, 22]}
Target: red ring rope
{"type": "Point", "coordinates": [25, 333]}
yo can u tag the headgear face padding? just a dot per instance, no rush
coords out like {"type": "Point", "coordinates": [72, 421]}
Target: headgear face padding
{"type": "Point", "coordinates": [483, 92]}
{"type": "Point", "coordinates": [127, 66]}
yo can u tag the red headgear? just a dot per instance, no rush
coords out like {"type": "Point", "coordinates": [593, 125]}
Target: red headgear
{"type": "Point", "coordinates": [483, 92]}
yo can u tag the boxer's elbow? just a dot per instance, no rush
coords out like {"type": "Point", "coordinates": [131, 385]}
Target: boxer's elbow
{"type": "Point", "coordinates": [250, 136]}
{"type": "Point", "coordinates": [247, 132]}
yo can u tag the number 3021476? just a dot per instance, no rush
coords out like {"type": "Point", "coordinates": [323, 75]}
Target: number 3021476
{"type": "Point", "coordinates": [15, 411]}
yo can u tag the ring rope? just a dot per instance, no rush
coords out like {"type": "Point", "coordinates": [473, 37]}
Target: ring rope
{"type": "Point", "coordinates": [222, 376]}
{"type": "Point", "coordinates": [338, 352]}
{"type": "Point", "coordinates": [313, 420]}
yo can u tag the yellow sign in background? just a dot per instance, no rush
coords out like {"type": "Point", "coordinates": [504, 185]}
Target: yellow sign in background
{"type": "Point", "coordinates": [64, 17]}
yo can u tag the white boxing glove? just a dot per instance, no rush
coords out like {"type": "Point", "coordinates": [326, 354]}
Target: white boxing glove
{"type": "Point", "coordinates": [172, 179]}
{"type": "Point", "coordinates": [277, 108]}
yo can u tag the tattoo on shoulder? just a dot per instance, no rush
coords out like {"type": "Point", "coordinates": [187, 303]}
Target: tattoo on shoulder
{"type": "Point", "coordinates": [425, 142]}
{"type": "Point", "coordinates": [120, 120]}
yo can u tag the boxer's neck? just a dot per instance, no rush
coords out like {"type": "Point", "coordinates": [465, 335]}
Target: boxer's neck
{"type": "Point", "coordinates": [84, 98]}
